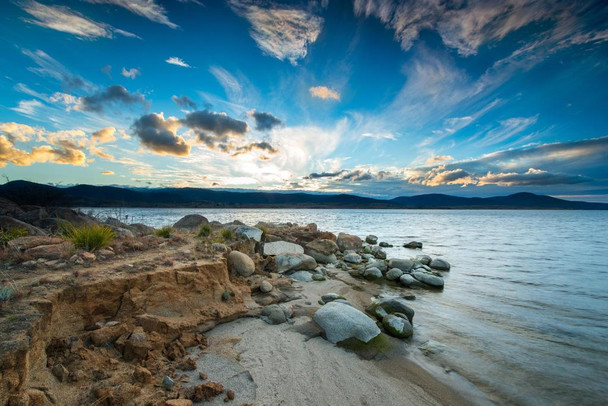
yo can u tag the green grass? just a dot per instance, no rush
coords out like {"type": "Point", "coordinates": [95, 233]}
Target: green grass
{"type": "Point", "coordinates": [204, 231]}
{"type": "Point", "coordinates": [7, 235]}
{"type": "Point", "coordinates": [227, 234]}
{"type": "Point", "coordinates": [6, 293]}
{"type": "Point", "coordinates": [164, 232]}
{"type": "Point", "coordinates": [88, 237]}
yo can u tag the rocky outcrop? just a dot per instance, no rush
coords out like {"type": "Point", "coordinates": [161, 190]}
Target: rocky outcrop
{"type": "Point", "coordinates": [10, 223]}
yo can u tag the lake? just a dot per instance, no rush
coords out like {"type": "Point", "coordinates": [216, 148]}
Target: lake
{"type": "Point", "coordinates": [524, 312]}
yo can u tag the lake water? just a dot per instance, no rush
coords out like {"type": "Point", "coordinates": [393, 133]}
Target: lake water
{"type": "Point", "coordinates": [524, 312]}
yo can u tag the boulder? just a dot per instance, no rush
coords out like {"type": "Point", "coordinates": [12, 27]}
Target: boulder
{"type": "Point", "coordinates": [191, 222]}
{"type": "Point", "coordinates": [397, 325]}
{"type": "Point", "coordinates": [10, 208]}
{"type": "Point", "coordinates": [302, 276]}
{"type": "Point", "coordinates": [352, 258]}
{"type": "Point", "coordinates": [409, 281]}
{"type": "Point", "coordinates": [247, 232]}
{"type": "Point", "coordinates": [295, 262]}
{"type": "Point", "coordinates": [385, 244]}
{"type": "Point", "coordinates": [25, 243]}
{"type": "Point", "coordinates": [322, 250]}
{"type": "Point", "coordinates": [428, 279]}
{"type": "Point", "coordinates": [9, 223]}
{"type": "Point", "coordinates": [330, 297]}
{"type": "Point", "coordinates": [371, 239]}
{"type": "Point", "coordinates": [240, 264]}
{"type": "Point", "coordinates": [51, 251]}
{"type": "Point", "coordinates": [141, 229]}
{"type": "Point", "coordinates": [395, 305]}
{"type": "Point", "coordinates": [405, 265]}
{"type": "Point", "coordinates": [378, 263]}
{"type": "Point", "coordinates": [265, 287]}
{"type": "Point", "coordinates": [423, 259]}
{"type": "Point", "coordinates": [378, 252]}
{"type": "Point", "coordinates": [282, 247]}
{"type": "Point", "coordinates": [349, 242]}
{"type": "Point", "coordinates": [340, 321]}
{"type": "Point", "coordinates": [276, 313]}
{"type": "Point", "coordinates": [372, 273]}
{"type": "Point", "coordinates": [413, 245]}
{"type": "Point", "coordinates": [73, 217]}
{"type": "Point", "coordinates": [440, 264]}
{"type": "Point", "coordinates": [393, 274]}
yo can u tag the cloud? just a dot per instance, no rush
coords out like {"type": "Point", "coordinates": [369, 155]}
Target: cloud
{"type": "Point", "coordinates": [231, 85]}
{"type": "Point", "coordinates": [184, 101]}
{"type": "Point", "coordinates": [507, 130]}
{"type": "Point", "coordinates": [380, 136]}
{"type": "Point", "coordinates": [47, 66]}
{"type": "Point", "coordinates": [64, 19]}
{"type": "Point", "coordinates": [64, 155]}
{"type": "Point", "coordinates": [131, 73]}
{"type": "Point", "coordinates": [532, 177]}
{"type": "Point", "coordinates": [324, 93]}
{"type": "Point", "coordinates": [145, 8]}
{"type": "Point", "coordinates": [107, 173]}
{"type": "Point", "coordinates": [212, 128]}
{"type": "Point", "coordinates": [265, 121]}
{"type": "Point", "coordinates": [439, 176]}
{"type": "Point", "coordinates": [18, 132]}
{"type": "Point", "coordinates": [174, 60]}
{"type": "Point", "coordinates": [279, 31]}
{"type": "Point", "coordinates": [259, 146]}
{"type": "Point", "coordinates": [107, 70]}
{"type": "Point", "coordinates": [114, 94]}
{"type": "Point", "coordinates": [438, 159]}
{"type": "Point", "coordinates": [159, 134]}
{"type": "Point", "coordinates": [104, 135]}
{"type": "Point", "coordinates": [27, 107]}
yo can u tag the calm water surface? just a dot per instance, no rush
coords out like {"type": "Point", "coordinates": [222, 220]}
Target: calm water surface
{"type": "Point", "coordinates": [524, 314]}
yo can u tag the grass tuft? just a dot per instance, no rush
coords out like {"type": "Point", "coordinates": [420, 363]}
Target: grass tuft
{"type": "Point", "coordinates": [88, 237]}
{"type": "Point", "coordinates": [204, 231]}
{"type": "Point", "coordinates": [227, 234]}
{"type": "Point", "coordinates": [164, 232]}
{"type": "Point", "coordinates": [7, 235]}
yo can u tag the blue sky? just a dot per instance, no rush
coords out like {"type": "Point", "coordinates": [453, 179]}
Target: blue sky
{"type": "Point", "coordinates": [373, 97]}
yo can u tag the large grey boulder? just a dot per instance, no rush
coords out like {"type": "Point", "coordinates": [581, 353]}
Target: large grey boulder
{"type": "Point", "coordinates": [409, 281]}
{"type": "Point", "coordinates": [349, 242]}
{"type": "Point", "coordinates": [378, 252]}
{"type": "Point", "coordinates": [295, 262]}
{"type": "Point", "coordinates": [302, 276]}
{"type": "Point", "coordinates": [353, 258]}
{"type": "Point", "coordinates": [10, 208]}
{"type": "Point", "coordinates": [393, 274]}
{"type": "Point", "coordinates": [371, 239]}
{"type": "Point", "coordinates": [9, 223]}
{"type": "Point", "coordinates": [282, 247]}
{"type": "Point", "coordinates": [424, 259]}
{"type": "Point", "coordinates": [341, 321]}
{"type": "Point", "coordinates": [395, 305]}
{"type": "Point", "coordinates": [405, 265]}
{"type": "Point", "coordinates": [190, 222]}
{"type": "Point", "coordinates": [248, 233]}
{"type": "Point", "coordinates": [428, 279]}
{"type": "Point", "coordinates": [440, 264]}
{"type": "Point", "coordinates": [276, 313]}
{"type": "Point", "coordinates": [240, 264]}
{"type": "Point", "coordinates": [322, 250]}
{"type": "Point", "coordinates": [397, 325]}
{"type": "Point", "coordinates": [378, 263]}
{"type": "Point", "coordinates": [372, 273]}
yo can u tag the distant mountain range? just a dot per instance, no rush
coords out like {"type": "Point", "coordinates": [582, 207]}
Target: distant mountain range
{"type": "Point", "coordinates": [28, 193]}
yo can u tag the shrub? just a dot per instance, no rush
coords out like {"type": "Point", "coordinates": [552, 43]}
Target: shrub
{"type": "Point", "coordinates": [6, 293]}
{"type": "Point", "coordinates": [6, 236]}
{"type": "Point", "coordinates": [227, 234]}
{"type": "Point", "coordinates": [164, 232]}
{"type": "Point", "coordinates": [88, 237]}
{"type": "Point", "coordinates": [204, 231]}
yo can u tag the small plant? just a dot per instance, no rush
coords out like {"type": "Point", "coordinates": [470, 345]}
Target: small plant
{"type": "Point", "coordinates": [227, 234]}
{"type": "Point", "coordinates": [164, 232]}
{"type": "Point", "coordinates": [88, 237]}
{"type": "Point", "coordinates": [7, 235]}
{"type": "Point", "coordinates": [264, 232]}
{"type": "Point", "coordinates": [204, 231]}
{"type": "Point", "coordinates": [6, 293]}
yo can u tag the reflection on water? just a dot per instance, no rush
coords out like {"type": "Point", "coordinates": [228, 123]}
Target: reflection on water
{"type": "Point", "coordinates": [524, 314]}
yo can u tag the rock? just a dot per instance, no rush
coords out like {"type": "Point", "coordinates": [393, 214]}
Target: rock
{"type": "Point", "coordinates": [9, 223]}
{"type": "Point", "coordinates": [349, 242]}
{"type": "Point", "coordinates": [10, 208]}
{"type": "Point", "coordinates": [240, 264]}
{"type": "Point", "coordinates": [405, 265]}
{"type": "Point", "coordinates": [168, 383]}
{"type": "Point", "coordinates": [319, 277]}
{"type": "Point", "coordinates": [423, 259]}
{"type": "Point", "coordinates": [378, 263]}
{"type": "Point", "coordinates": [302, 276]}
{"type": "Point", "coordinates": [368, 257]}
{"type": "Point", "coordinates": [413, 245]}
{"type": "Point", "coordinates": [60, 372]}
{"type": "Point", "coordinates": [330, 297]}
{"type": "Point", "coordinates": [178, 402]}
{"type": "Point", "coordinates": [265, 287]}
{"type": "Point", "coordinates": [247, 232]}
{"type": "Point", "coordinates": [440, 264]}
{"type": "Point", "coordinates": [372, 273]}
{"type": "Point", "coordinates": [141, 229]}
{"type": "Point", "coordinates": [352, 258]}
{"type": "Point", "coordinates": [385, 245]}
{"type": "Point", "coordinates": [293, 261]}
{"type": "Point", "coordinates": [393, 274]}
{"type": "Point", "coordinates": [341, 321]}
{"type": "Point", "coordinates": [73, 217]}
{"type": "Point", "coordinates": [142, 375]}
{"type": "Point", "coordinates": [428, 279]}
{"type": "Point", "coordinates": [409, 281]}
{"type": "Point", "coordinates": [218, 247]}
{"type": "Point", "coordinates": [276, 313]}
{"type": "Point", "coordinates": [88, 256]}
{"type": "Point", "coordinates": [54, 251]}
{"type": "Point", "coordinates": [397, 325]}
{"type": "Point", "coordinates": [105, 253]}
{"type": "Point", "coordinates": [25, 243]}
{"type": "Point", "coordinates": [371, 239]}
{"type": "Point", "coordinates": [282, 247]}
{"type": "Point", "coordinates": [122, 233]}
{"type": "Point", "coordinates": [396, 305]}
{"type": "Point", "coordinates": [322, 250]}
{"type": "Point", "coordinates": [191, 222]}
{"type": "Point", "coordinates": [378, 252]}
{"type": "Point", "coordinates": [137, 345]}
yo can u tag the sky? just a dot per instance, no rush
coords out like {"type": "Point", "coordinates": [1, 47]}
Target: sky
{"type": "Point", "coordinates": [379, 98]}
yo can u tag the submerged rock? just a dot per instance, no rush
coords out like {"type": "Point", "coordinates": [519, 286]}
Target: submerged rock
{"type": "Point", "coordinates": [409, 281]}
{"type": "Point", "coordinates": [413, 245]}
{"type": "Point", "coordinates": [440, 264]}
{"type": "Point", "coordinates": [431, 280]}
{"type": "Point", "coordinates": [240, 264]}
{"type": "Point", "coordinates": [384, 244]}
{"type": "Point", "coordinates": [341, 321]}
{"type": "Point", "coordinates": [424, 259]}
{"type": "Point", "coordinates": [371, 239]}
{"type": "Point", "coordinates": [397, 325]}
{"type": "Point", "coordinates": [282, 247]}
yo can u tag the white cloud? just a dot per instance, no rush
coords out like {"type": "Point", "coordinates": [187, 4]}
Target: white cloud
{"type": "Point", "coordinates": [145, 8]}
{"type": "Point", "coordinates": [231, 85]}
{"type": "Point", "coordinates": [131, 73]}
{"type": "Point", "coordinates": [282, 32]}
{"type": "Point", "coordinates": [174, 60]}
{"type": "Point", "coordinates": [27, 107]}
{"type": "Point", "coordinates": [323, 92]}
{"type": "Point", "coordinates": [380, 136]}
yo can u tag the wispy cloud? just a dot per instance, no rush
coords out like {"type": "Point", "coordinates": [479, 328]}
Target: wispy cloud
{"type": "Point", "coordinates": [131, 73]}
{"type": "Point", "coordinates": [184, 101]}
{"type": "Point", "coordinates": [279, 31]}
{"type": "Point", "coordinates": [48, 66]}
{"type": "Point", "coordinates": [66, 20]}
{"type": "Point", "coordinates": [323, 92]}
{"type": "Point", "coordinates": [174, 60]}
{"type": "Point", "coordinates": [112, 95]}
{"type": "Point", "coordinates": [145, 8]}
{"type": "Point", "coordinates": [27, 107]}
{"type": "Point", "coordinates": [380, 136]}
{"type": "Point", "coordinates": [107, 173]}
{"type": "Point", "coordinates": [232, 87]}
